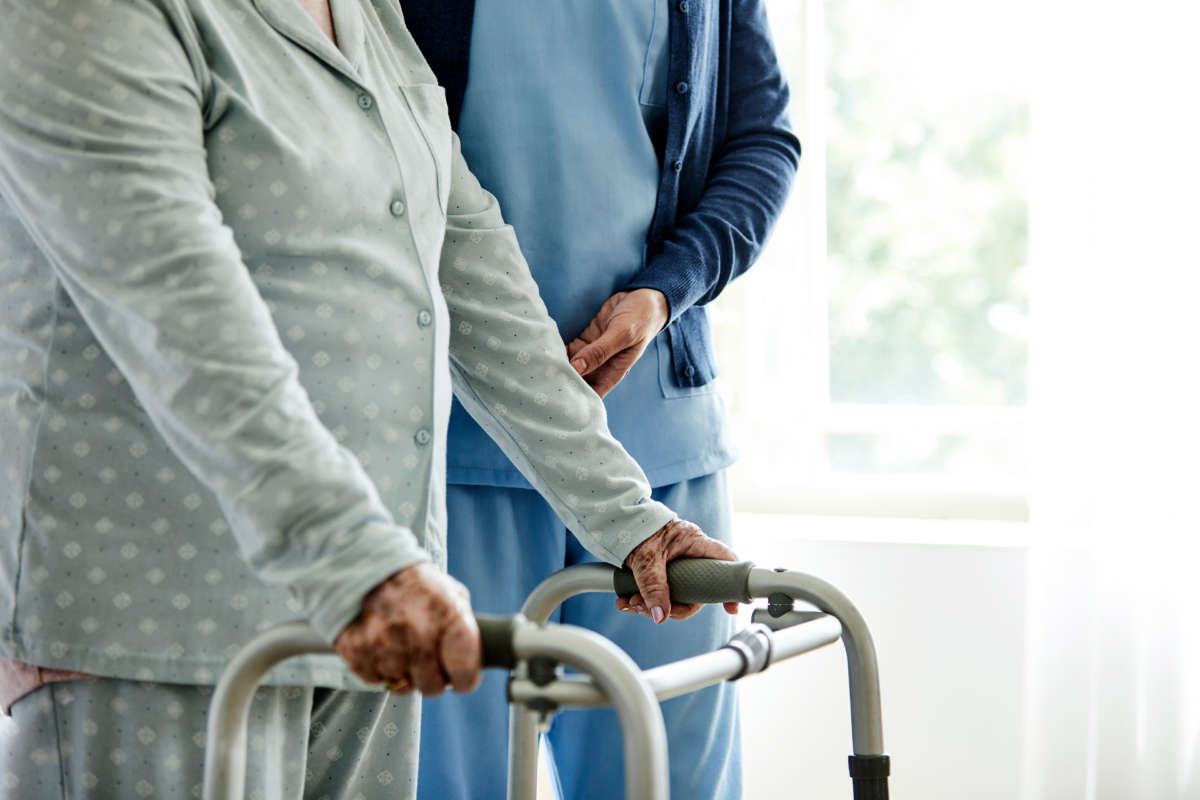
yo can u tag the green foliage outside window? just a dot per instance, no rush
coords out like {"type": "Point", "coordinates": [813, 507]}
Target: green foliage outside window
{"type": "Point", "coordinates": [926, 145]}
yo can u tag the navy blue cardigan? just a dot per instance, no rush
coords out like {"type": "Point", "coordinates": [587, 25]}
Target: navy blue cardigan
{"type": "Point", "coordinates": [729, 159]}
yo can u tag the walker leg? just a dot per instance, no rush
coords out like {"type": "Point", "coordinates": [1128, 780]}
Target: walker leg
{"type": "Point", "coordinates": [642, 727]}
{"type": "Point", "coordinates": [869, 766]}
{"type": "Point", "coordinates": [523, 746]}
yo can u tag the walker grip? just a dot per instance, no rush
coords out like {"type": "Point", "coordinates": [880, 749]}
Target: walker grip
{"type": "Point", "coordinates": [697, 580]}
{"type": "Point", "coordinates": [496, 633]}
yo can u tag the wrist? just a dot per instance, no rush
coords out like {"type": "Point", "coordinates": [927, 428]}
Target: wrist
{"type": "Point", "coordinates": [659, 305]}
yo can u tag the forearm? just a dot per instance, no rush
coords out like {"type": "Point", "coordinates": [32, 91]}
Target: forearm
{"type": "Point", "coordinates": [720, 235]}
{"type": "Point", "coordinates": [511, 372]}
{"type": "Point", "coordinates": [724, 234]}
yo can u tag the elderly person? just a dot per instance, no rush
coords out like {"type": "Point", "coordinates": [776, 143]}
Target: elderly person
{"type": "Point", "coordinates": [642, 152]}
{"type": "Point", "coordinates": [242, 262]}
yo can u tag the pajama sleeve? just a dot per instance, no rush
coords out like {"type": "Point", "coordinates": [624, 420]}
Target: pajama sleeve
{"type": "Point", "coordinates": [511, 373]}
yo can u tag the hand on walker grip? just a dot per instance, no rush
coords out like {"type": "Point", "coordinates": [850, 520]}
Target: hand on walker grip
{"type": "Point", "coordinates": [678, 539]}
{"type": "Point", "coordinates": [415, 632]}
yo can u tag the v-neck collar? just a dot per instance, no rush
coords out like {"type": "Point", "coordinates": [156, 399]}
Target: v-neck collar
{"type": "Point", "coordinates": [290, 19]}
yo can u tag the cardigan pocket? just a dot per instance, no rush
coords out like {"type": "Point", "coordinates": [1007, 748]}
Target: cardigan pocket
{"type": "Point", "coordinates": [666, 373]}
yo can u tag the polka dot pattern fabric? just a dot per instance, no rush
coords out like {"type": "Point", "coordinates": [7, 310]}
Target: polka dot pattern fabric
{"type": "Point", "coordinates": [104, 739]}
{"type": "Point", "coordinates": [241, 270]}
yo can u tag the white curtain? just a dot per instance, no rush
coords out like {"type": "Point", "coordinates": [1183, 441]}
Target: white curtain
{"type": "Point", "coordinates": [1113, 656]}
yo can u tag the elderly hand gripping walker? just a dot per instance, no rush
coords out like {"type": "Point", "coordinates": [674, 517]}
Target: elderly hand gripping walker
{"type": "Point", "coordinates": [533, 650]}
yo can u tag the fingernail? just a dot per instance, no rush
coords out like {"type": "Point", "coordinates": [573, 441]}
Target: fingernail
{"type": "Point", "coordinates": [658, 614]}
{"type": "Point", "coordinates": [579, 364]}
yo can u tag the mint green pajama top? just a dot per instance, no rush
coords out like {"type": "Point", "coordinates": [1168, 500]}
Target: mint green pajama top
{"type": "Point", "coordinates": [241, 269]}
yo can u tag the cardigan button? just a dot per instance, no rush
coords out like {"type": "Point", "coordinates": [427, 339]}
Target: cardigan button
{"type": "Point", "coordinates": [678, 165]}
{"type": "Point", "coordinates": [689, 370]}
{"type": "Point", "coordinates": [682, 6]}
{"type": "Point", "coordinates": [681, 87]}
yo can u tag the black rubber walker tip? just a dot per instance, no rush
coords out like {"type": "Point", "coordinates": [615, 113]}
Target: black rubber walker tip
{"type": "Point", "coordinates": [870, 776]}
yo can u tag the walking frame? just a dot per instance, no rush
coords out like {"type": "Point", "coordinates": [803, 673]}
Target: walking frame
{"type": "Point", "coordinates": [534, 651]}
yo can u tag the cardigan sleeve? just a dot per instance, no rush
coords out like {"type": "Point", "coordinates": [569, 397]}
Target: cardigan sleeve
{"type": "Point", "coordinates": [748, 181]}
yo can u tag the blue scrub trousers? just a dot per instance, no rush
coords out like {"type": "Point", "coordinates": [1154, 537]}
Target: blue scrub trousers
{"type": "Point", "coordinates": [502, 543]}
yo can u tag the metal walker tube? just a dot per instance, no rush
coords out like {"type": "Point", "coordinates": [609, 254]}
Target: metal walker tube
{"type": "Point", "coordinates": [866, 721]}
{"type": "Point", "coordinates": [225, 749]}
{"type": "Point", "coordinates": [642, 726]}
{"type": "Point", "coordinates": [679, 677]}
{"type": "Point", "coordinates": [672, 679]}
{"type": "Point", "coordinates": [522, 723]}
{"type": "Point", "coordinates": [611, 676]}
{"type": "Point", "coordinates": [645, 738]}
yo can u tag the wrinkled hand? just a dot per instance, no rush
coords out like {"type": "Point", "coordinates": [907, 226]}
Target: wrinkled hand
{"type": "Point", "coordinates": [649, 559]}
{"type": "Point", "coordinates": [416, 631]}
{"type": "Point", "coordinates": [616, 338]}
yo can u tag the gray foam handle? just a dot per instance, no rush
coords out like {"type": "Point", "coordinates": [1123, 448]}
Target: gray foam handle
{"type": "Point", "coordinates": [497, 635]}
{"type": "Point", "coordinates": [697, 580]}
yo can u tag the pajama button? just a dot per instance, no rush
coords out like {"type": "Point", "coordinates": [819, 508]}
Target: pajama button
{"type": "Point", "coordinates": [423, 436]}
{"type": "Point", "coordinates": [397, 208]}
{"type": "Point", "coordinates": [365, 102]}
{"type": "Point", "coordinates": [424, 318]}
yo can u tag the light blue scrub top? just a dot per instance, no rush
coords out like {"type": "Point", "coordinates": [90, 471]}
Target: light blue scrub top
{"type": "Point", "coordinates": [563, 120]}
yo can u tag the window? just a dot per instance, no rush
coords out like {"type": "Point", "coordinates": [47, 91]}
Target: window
{"type": "Point", "coordinates": [875, 360]}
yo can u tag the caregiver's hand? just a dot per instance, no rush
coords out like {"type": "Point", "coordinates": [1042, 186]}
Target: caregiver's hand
{"type": "Point", "coordinates": [617, 336]}
{"type": "Point", "coordinates": [416, 631]}
{"type": "Point", "coordinates": [649, 559]}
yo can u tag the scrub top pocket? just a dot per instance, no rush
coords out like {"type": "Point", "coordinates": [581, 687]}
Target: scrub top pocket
{"type": "Point", "coordinates": [653, 91]}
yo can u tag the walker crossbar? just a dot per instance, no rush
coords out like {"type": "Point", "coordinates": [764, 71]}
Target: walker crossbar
{"type": "Point", "coordinates": [703, 580]}
{"type": "Point", "coordinates": [685, 676]}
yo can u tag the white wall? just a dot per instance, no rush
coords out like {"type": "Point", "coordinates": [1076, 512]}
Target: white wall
{"type": "Point", "coordinates": [948, 623]}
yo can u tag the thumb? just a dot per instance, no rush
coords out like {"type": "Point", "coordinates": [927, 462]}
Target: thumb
{"type": "Point", "coordinates": [591, 356]}
{"type": "Point", "coordinates": [651, 577]}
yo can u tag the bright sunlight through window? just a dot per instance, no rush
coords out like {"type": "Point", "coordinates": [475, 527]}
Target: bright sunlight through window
{"type": "Point", "coordinates": [876, 358]}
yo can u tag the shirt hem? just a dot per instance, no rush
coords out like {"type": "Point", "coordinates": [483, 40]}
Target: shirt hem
{"type": "Point", "coordinates": [327, 671]}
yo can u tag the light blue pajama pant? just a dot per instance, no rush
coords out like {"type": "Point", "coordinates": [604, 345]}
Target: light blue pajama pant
{"type": "Point", "coordinates": [502, 543]}
{"type": "Point", "coordinates": [111, 739]}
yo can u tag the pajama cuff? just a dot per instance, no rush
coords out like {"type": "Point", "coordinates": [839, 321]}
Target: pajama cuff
{"type": "Point", "coordinates": [333, 589]}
